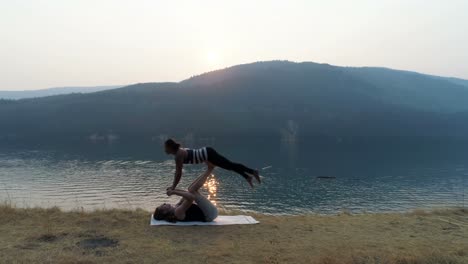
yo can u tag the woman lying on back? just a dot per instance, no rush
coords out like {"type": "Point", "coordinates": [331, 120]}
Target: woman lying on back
{"type": "Point", "coordinates": [193, 206]}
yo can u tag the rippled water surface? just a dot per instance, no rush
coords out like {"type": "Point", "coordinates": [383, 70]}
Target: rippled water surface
{"type": "Point", "coordinates": [294, 182]}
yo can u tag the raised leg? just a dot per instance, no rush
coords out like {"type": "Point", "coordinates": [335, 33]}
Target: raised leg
{"type": "Point", "coordinates": [198, 182]}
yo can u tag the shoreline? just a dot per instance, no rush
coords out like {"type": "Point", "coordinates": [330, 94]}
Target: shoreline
{"type": "Point", "coordinates": [344, 210]}
{"type": "Point", "coordinates": [39, 235]}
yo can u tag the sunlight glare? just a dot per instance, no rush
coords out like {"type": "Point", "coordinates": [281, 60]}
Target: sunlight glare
{"type": "Point", "coordinates": [211, 185]}
{"type": "Point", "coordinates": [213, 58]}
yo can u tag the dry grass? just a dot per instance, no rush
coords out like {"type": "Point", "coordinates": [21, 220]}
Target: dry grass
{"type": "Point", "coordinates": [117, 236]}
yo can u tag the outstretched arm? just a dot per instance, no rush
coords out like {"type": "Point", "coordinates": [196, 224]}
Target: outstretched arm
{"type": "Point", "coordinates": [184, 194]}
{"type": "Point", "coordinates": [178, 173]}
{"type": "Point", "coordinates": [185, 202]}
{"type": "Point", "coordinates": [180, 201]}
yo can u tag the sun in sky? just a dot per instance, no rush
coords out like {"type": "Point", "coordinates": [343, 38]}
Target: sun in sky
{"type": "Point", "coordinates": [213, 59]}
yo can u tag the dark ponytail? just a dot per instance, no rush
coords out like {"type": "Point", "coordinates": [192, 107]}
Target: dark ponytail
{"type": "Point", "coordinates": [172, 144]}
{"type": "Point", "coordinates": [167, 216]}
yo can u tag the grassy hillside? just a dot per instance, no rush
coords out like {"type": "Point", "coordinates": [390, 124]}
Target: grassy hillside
{"type": "Point", "coordinates": [115, 236]}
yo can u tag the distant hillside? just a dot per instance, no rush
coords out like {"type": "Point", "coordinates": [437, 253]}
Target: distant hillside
{"type": "Point", "coordinates": [275, 99]}
{"type": "Point", "coordinates": [457, 81]}
{"type": "Point", "coordinates": [53, 91]}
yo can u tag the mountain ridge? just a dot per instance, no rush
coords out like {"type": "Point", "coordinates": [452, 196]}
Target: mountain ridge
{"type": "Point", "coordinates": [282, 100]}
{"type": "Point", "coordinates": [24, 94]}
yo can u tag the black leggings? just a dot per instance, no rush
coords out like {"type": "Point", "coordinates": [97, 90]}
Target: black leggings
{"type": "Point", "coordinates": [216, 159]}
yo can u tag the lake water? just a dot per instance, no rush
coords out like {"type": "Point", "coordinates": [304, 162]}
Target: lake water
{"type": "Point", "coordinates": [371, 180]}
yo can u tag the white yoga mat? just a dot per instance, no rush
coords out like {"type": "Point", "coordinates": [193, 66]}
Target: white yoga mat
{"type": "Point", "coordinates": [220, 220]}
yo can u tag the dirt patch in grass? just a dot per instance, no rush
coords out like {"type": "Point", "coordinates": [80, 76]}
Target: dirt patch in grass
{"type": "Point", "coordinates": [50, 238]}
{"type": "Point", "coordinates": [98, 242]}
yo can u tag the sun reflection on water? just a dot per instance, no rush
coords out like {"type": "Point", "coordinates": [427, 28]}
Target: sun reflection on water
{"type": "Point", "coordinates": [211, 185]}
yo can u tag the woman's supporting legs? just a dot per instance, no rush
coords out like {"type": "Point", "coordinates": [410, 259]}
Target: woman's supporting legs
{"type": "Point", "coordinates": [209, 209]}
{"type": "Point", "coordinates": [198, 182]}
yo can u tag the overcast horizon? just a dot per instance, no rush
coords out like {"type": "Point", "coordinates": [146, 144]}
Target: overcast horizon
{"type": "Point", "coordinates": [88, 43]}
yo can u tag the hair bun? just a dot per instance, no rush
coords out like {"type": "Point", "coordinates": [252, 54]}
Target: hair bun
{"type": "Point", "coordinates": [172, 144]}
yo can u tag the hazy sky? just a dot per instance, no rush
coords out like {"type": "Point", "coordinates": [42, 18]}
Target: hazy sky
{"type": "Point", "coordinates": [101, 42]}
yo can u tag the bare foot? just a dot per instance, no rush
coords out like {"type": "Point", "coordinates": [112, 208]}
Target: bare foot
{"type": "Point", "coordinates": [250, 181]}
{"type": "Point", "coordinates": [257, 176]}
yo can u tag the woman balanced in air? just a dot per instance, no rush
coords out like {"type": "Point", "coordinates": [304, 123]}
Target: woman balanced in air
{"type": "Point", "coordinates": [206, 155]}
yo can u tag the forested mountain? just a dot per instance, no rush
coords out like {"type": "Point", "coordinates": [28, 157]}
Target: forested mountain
{"type": "Point", "coordinates": [54, 91]}
{"type": "Point", "coordinates": [275, 99]}
{"type": "Point", "coordinates": [457, 81]}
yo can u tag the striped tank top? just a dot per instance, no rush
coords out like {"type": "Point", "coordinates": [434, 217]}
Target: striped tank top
{"type": "Point", "coordinates": [196, 156]}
